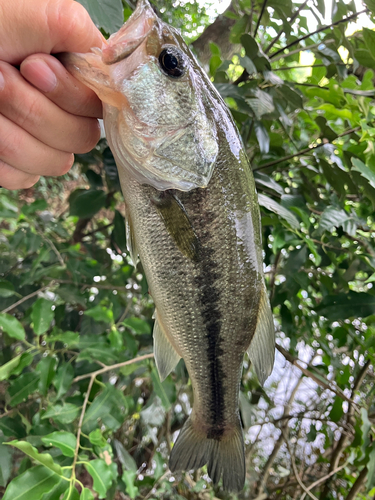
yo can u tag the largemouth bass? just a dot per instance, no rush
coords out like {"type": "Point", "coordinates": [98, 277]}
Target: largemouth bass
{"type": "Point", "coordinates": [193, 218]}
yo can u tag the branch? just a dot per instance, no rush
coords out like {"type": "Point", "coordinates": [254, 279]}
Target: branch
{"type": "Point", "coordinates": [343, 441]}
{"type": "Point", "coordinates": [321, 479]}
{"type": "Point", "coordinates": [307, 492]}
{"type": "Point", "coordinates": [282, 30]}
{"type": "Point", "coordinates": [260, 17]}
{"type": "Point", "coordinates": [323, 28]}
{"type": "Point", "coordinates": [304, 151]}
{"type": "Point", "coordinates": [352, 495]}
{"type": "Point", "coordinates": [296, 362]}
{"type": "Point", "coordinates": [27, 297]}
{"type": "Point", "coordinates": [113, 367]}
{"type": "Point", "coordinates": [266, 470]}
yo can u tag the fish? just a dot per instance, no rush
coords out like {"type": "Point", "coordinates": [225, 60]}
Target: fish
{"type": "Point", "coordinates": [193, 219]}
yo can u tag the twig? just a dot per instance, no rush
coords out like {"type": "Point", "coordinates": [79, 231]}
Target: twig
{"type": "Point", "coordinates": [287, 68]}
{"type": "Point", "coordinates": [51, 244]}
{"type": "Point", "coordinates": [282, 30]}
{"type": "Point", "coordinates": [260, 17]}
{"type": "Point", "coordinates": [306, 150]}
{"type": "Point", "coordinates": [296, 473]}
{"type": "Point", "coordinates": [319, 30]}
{"type": "Point", "coordinates": [80, 425]}
{"type": "Point", "coordinates": [321, 479]}
{"type": "Point", "coordinates": [91, 285]}
{"type": "Point", "coordinates": [27, 297]}
{"type": "Point", "coordinates": [296, 362]}
{"type": "Point", "coordinates": [113, 367]}
{"type": "Point", "coordinates": [98, 229]}
{"type": "Point", "coordinates": [301, 49]}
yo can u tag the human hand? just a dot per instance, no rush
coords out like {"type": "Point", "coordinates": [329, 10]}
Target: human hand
{"type": "Point", "coordinates": [45, 113]}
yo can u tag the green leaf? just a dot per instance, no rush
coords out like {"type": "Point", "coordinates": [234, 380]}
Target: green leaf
{"type": "Point", "coordinates": [63, 379]}
{"type": "Point", "coordinates": [7, 368]}
{"type": "Point", "coordinates": [106, 14]}
{"type": "Point", "coordinates": [262, 137]}
{"type": "Point", "coordinates": [42, 458]}
{"type": "Point", "coordinates": [22, 387]}
{"type": "Point", "coordinates": [32, 484]}
{"type": "Point", "coordinates": [6, 289]}
{"type": "Point", "coordinates": [238, 29]}
{"type": "Point", "coordinates": [265, 181]}
{"type": "Point", "coordinates": [250, 45]}
{"type": "Point", "coordinates": [86, 494]}
{"type": "Point", "coordinates": [159, 389]}
{"type": "Point", "coordinates": [129, 477]}
{"type": "Point", "coordinates": [97, 438]}
{"type": "Point", "coordinates": [100, 313]}
{"type": "Point", "coordinates": [337, 410]}
{"type": "Point", "coordinates": [330, 218]}
{"type": "Point", "coordinates": [41, 315]}
{"type": "Point", "coordinates": [5, 464]}
{"type": "Point", "coordinates": [346, 305]}
{"type": "Point", "coordinates": [365, 58]}
{"type": "Point", "coordinates": [127, 461]}
{"type": "Point", "coordinates": [86, 203]}
{"type": "Point", "coordinates": [108, 407]}
{"type": "Point", "coordinates": [360, 167]}
{"type": "Point", "coordinates": [278, 209]}
{"type": "Point", "coordinates": [371, 470]}
{"type": "Point", "coordinates": [138, 325]}
{"type": "Point", "coordinates": [65, 441]}
{"type": "Point", "coordinates": [101, 475]}
{"type": "Point", "coordinates": [65, 414]}
{"type": "Point", "coordinates": [12, 326]}
{"type": "Point", "coordinates": [118, 236]}
{"type": "Point", "coordinates": [12, 426]}
{"type": "Point", "coordinates": [71, 494]}
{"type": "Point", "coordinates": [369, 38]}
{"type": "Point", "coordinates": [46, 368]}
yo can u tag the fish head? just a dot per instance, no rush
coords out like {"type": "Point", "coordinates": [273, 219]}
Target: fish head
{"type": "Point", "coordinates": [159, 106]}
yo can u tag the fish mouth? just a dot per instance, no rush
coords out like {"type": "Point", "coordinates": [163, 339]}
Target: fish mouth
{"type": "Point", "coordinates": [122, 44]}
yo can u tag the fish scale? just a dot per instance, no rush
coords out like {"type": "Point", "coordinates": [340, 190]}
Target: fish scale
{"type": "Point", "coordinates": [193, 218]}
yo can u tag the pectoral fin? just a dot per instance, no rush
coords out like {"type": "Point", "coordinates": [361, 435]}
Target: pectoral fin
{"type": "Point", "coordinates": [262, 347]}
{"type": "Point", "coordinates": [166, 357]}
{"type": "Point", "coordinates": [130, 241]}
{"type": "Point", "coordinates": [178, 224]}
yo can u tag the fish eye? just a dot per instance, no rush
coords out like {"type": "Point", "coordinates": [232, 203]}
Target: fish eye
{"type": "Point", "coordinates": [173, 62]}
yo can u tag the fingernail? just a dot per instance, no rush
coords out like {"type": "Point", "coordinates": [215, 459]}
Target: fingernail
{"type": "Point", "coordinates": [2, 81]}
{"type": "Point", "coordinates": [40, 75]}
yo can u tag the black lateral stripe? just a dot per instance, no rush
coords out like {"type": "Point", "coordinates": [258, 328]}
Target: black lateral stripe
{"type": "Point", "coordinates": [209, 296]}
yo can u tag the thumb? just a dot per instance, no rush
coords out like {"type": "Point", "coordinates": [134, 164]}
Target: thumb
{"type": "Point", "coordinates": [49, 26]}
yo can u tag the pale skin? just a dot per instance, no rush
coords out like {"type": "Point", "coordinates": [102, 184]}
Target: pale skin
{"type": "Point", "coordinates": [46, 115]}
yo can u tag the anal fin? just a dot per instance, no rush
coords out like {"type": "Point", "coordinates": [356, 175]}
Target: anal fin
{"type": "Point", "coordinates": [262, 347]}
{"type": "Point", "coordinates": [166, 357]}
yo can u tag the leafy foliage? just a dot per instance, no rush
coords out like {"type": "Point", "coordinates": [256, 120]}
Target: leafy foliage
{"type": "Point", "coordinates": [83, 413]}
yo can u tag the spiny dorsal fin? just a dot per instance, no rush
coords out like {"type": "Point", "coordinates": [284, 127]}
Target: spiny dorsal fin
{"type": "Point", "coordinates": [262, 347]}
{"type": "Point", "coordinates": [130, 241]}
{"type": "Point", "coordinates": [178, 224]}
{"type": "Point", "coordinates": [166, 357]}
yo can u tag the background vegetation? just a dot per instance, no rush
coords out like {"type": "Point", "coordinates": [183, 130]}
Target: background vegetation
{"type": "Point", "coordinates": [83, 414]}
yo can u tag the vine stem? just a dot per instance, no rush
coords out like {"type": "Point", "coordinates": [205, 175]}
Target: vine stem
{"type": "Point", "coordinates": [92, 377]}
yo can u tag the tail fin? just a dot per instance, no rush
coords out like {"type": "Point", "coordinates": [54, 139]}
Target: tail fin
{"type": "Point", "coordinates": [224, 457]}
